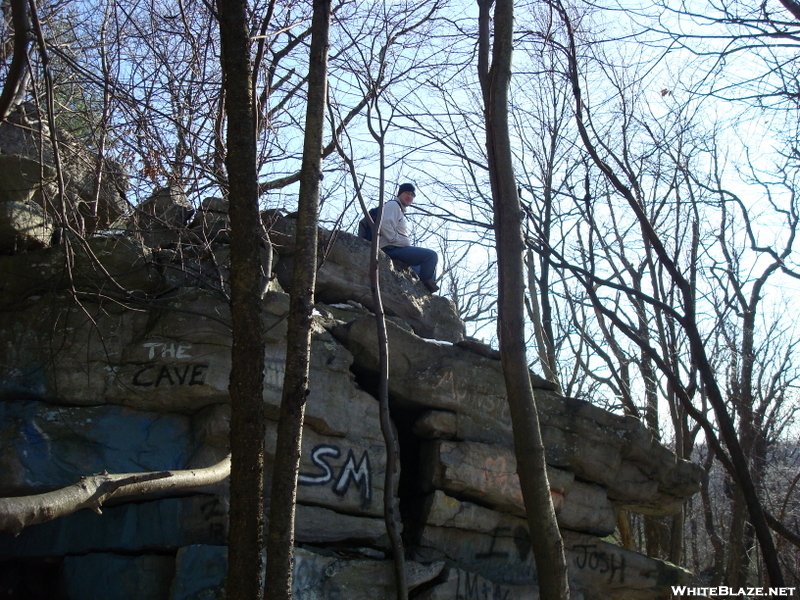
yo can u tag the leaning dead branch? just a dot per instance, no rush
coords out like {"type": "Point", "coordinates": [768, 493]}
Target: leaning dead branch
{"type": "Point", "coordinates": [93, 491]}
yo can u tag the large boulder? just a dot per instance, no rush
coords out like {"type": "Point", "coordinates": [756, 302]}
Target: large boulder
{"type": "Point", "coordinates": [343, 276]}
{"type": "Point", "coordinates": [172, 523]}
{"type": "Point", "coordinates": [459, 584]}
{"type": "Point", "coordinates": [316, 575]}
{"type": "Point", "coordinates": [152, 388]}
{"type": "Point", "coordinates": [23, 226]}
{"type": "Point", "coordinates": [161, 220]}
{"type": "Point", "coordinates": [85, 353]}
{"type": "Point", "coordinates": [344, 474]}
{"type": "Point", "coordinates": [168, 524]}
{"type": "Point", "coordinates": [45, 447]}
{"type": "Point", "coordinates": [190, 253]}
{"type": "Point", "coordinates": [25, 136]}
{"type": "Point", "coordinates": [23, 179]}
{"type": "Point", "coordinates": [174, 357]}
{"type": "Point", "coordinates": [488, 475]}
{"type": "Point", "coordinates": [212, 221]}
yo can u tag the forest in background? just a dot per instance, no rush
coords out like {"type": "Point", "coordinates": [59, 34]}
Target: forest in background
{"type": "Point", "coordinates": [686, 111]}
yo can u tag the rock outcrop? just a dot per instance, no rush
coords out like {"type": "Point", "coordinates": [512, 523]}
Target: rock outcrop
{"type": "Point", "coordinates": [93, 192]}
{"type": "Point", "coordinates": [122, 364]}
{"type": "Point", "coordinates": [343, 277]}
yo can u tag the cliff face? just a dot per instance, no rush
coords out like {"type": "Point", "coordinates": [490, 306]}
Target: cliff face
{"type": "Point", "coordinates": [90, 383]}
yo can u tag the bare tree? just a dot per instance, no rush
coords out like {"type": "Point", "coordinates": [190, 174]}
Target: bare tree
{"type": "Point", "coordinates": [280, 544]}
{"type": "Point", "coordinates": [380, 78]}
{"type": "Point", "coordinates": [734, 457]}
{"type": "Point", "coordinates": [248, 421]}
{"type": "Point", "coordinates": [391, 511]}
{"type": "Point", "coordinates": [17, 73]}
{"type": "Point", "coordinates": [546, 542]}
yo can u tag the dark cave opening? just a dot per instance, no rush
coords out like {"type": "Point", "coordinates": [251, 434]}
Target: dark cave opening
{"type": "Point", "coordinates": [411, 490]}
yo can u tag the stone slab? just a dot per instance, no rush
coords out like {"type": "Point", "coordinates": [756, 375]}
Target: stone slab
{"type": "Point", "coordinates": [318, 525]}
{"type": "Point", "coordinates": [122, 258]}
{"type": "Point", "coordinates": [502, 556]}
{"type": "Point", "coordinates": [201, 574]}
{"type": "Point", "coordinates": [106, 576]}
{"type": "Point", "coordinates": [174, 357]}
{"type": "Point", "coordinates": [463, 585]}
{"type": "Point", "coordinates": [598, 570]}
{"type": "Point", "coordinates": [488, 475]}
{"type": "Point", "coordinates": [343, 277]}
{"type": "Point", "coordinates": [45, 447]}
{"type": "Point", "coordinates": [602, 570]}
{"type": "Point", "coordinates": [166, 525]}
{"type": "Point", "coordinates": [171, 523]}
{"type": "Point", "coordinates": [342, 474]}
{"type": "Point", "coordinates": [321, 577]}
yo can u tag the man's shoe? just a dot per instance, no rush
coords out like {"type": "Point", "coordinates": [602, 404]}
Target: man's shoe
{"type": "Point", "coordinates": [431, 285]}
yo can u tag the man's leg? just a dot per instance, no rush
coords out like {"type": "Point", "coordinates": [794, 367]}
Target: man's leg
{"type": "Point", "coordinates": [413, 256]}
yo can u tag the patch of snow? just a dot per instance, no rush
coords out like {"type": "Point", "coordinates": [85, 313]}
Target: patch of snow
{"type": "Point", "coordinates": [438, 342]}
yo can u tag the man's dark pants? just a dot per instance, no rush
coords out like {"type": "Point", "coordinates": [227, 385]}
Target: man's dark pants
{"type": "Point", "coordinates": [425, 259]}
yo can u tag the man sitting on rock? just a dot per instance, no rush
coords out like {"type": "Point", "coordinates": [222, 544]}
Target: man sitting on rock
{"type": "Point", "coordinates": [394, 240]}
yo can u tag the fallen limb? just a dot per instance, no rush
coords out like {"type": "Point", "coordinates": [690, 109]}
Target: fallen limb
{"type": "Point", "coordinates": [92, 491]}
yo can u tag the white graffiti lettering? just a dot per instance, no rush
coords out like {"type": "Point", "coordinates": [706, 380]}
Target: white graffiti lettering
{"type": "Point", "coordinates": [317, 458]}
{"type": "Point", "coordinates": [359, 472]}
{"type": "Point", "coordinates": [168, 350]}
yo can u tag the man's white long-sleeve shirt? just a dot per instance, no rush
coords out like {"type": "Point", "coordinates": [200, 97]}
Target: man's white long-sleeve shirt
{"type": "Point", "coordinates": [394, 230]}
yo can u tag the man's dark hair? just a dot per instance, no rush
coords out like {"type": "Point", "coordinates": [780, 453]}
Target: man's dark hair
{"type": "Point", "coordinates": [405, 187]}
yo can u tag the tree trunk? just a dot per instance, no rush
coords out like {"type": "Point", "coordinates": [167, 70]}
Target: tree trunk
{"type": "Point", "coordinates": [624, 528]}
{"type": "Point", "coordinates": [708, 522]}
{"type": "Point", "coordinates": [656, 535]}
{"type": "Point", "coordinates": [248, 424]}
{"type": "Point", "coordinates": [738, 563]}
{"type": "Point", "coordinates": [391, 510]}
{"type": "Point", "coordinates": [676, 537]}
{"type": "Point", "coordinates": [16, 74]}
{"type": "Point", "coordinates": [547, 544]}
{"type": "Point", "coordinates": [280, 541]}
{"type": "Point", "coordinates": [542, 329]}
